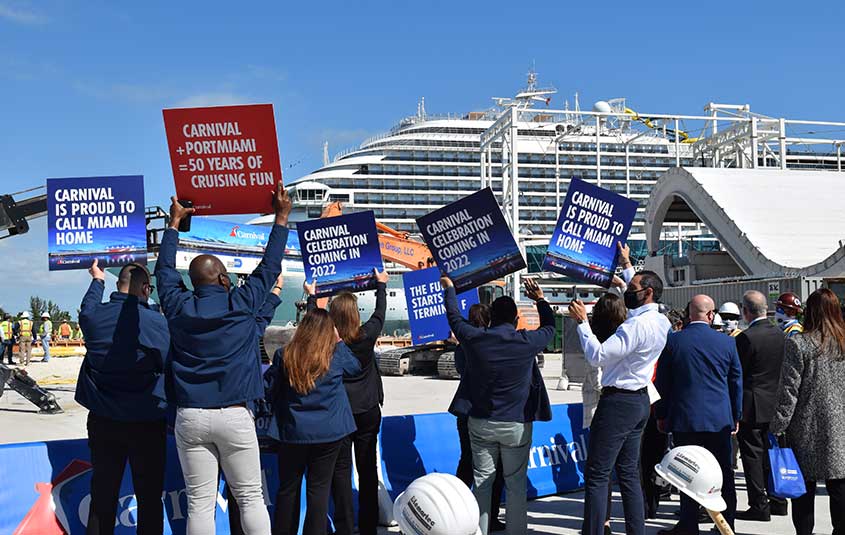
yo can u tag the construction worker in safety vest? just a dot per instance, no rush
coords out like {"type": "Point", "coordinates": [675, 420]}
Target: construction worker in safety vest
{"type": "Point", "coordinates": [786, 314]}
{"type": "Point", "coordinates": [77, 334]}
{"type": "Point", "coordinates": [45, 332]}
{"type": "Point", "coordinates": [64, 330]}
{"type": "Point", "coordinates": [8, 337]}
{"type": "Point", "coordinates": [730, 315]}
{"type": "Point", "coordinates": [25, 338]}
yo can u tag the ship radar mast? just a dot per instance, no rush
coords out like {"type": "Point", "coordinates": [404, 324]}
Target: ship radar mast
{"type": "Point", "coordinates": [529, 95]}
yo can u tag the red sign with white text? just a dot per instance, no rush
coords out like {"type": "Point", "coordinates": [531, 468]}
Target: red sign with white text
{"type": "Point", "coordinates": [225, 159]}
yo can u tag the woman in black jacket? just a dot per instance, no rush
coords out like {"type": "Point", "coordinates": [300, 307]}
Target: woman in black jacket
{"type": "Point", "coordinates": [366, 395]}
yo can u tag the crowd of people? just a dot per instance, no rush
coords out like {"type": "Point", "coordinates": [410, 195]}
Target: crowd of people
{"type": "Point", "coordinates": [654, 380]}
{"type": "Point", "coordinates": [703, 381]}
{"type": "Point", "coordinates": [21, 331]}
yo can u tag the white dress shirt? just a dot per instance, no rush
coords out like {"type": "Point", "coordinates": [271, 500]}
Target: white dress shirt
{"type": "Point", "coordinates": [628, 357]}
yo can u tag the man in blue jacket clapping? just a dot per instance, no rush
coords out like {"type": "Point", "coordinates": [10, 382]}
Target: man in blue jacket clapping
{"type": "Point", "coordinates": [215, 371]}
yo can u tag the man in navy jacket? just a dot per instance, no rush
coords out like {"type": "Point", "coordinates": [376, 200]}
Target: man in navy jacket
{"type": "Point", "coordinates": [500, 362]}
{"type": "Point", "coordinates": [215, 370]}
{"type": "Point", "coordinates": [127, 343]}
{"type": "Point", "coordinates": [699, 378]}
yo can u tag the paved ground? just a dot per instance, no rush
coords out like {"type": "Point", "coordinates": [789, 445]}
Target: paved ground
{"type": "Point", "coordinates": [20, 422]}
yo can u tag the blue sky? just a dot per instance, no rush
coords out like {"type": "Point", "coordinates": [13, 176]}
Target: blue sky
{"type": "Point", "coordinates": [83, 84]}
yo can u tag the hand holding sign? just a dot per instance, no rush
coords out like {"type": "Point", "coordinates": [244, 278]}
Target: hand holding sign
{"type": "Point", "coordinates": [310, 289]}
{"type": "Point", "coordinates": [577, 310]}
{"type": "Point", "coordinates": [381, 276]}
{"type": "Point", "coordinates": [624, 255]}
{"type": "Point", "coordinates": [96, 272]}
{"type": "Point", "coordinates": [178, 212]}
{"type": "Point", "coordinates": [446, 282]}
{"type": "Point", "coordinates": [281, 204]}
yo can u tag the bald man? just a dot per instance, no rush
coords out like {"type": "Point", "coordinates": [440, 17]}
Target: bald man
{"type": "Point", "coordinates": [699, 378]}
{"type": "Point", "coordinates": [215, 371]}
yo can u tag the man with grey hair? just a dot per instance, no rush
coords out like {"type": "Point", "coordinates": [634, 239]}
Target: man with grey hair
{"type": "Point", "coordinates": [760, 349]}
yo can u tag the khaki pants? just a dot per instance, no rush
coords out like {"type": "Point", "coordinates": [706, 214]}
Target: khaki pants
{"type": "Point", "coordinates": [25, 350]}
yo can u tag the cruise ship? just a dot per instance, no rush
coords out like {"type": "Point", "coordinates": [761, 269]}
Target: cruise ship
{"type": "Point", "coordinates": [427, 161]}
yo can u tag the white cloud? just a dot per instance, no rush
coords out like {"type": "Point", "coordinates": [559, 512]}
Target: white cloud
{"type": "Point", "coordinates": [212, 99]}
{"type": "Point", "coordinates": [266, 73]}
{"type": "Point", "coordinates": [21, 15]}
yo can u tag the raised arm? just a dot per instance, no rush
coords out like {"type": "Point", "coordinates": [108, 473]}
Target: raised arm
{"type": "Point", "coordinates": [544, 334]}
{"type": "Point", "coordinates": [372, 328]}
{"type": "Point", "coordinates": [625, 263]}
{"type": "Point", "coordinates": [790, 385]}
{"type": "Point", "coordinates": [268, 308]}
{"type": "Point", "coordinates": [94, 295]}
{"type": "Point", "coordinates": [258, 284]}
{"type": "Point", "coordinates": [462, 329]}
{"type": "Point", "coordinates": [171, 290]}
{"type": "Point", "coordinates": [310, 290]}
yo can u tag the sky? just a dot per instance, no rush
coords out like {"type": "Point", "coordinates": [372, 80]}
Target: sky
{"type": "Point", "coordinates": [83, 83]}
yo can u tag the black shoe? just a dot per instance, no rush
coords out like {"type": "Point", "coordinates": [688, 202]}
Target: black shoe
{"type": "Point", "coordinates": [754, 515]}
{"type": "Point", "coordinates": [778, 509]}
{"type": "Point", "coordinates": [496, 525]}
{"type": "Point", "coordinates": [675, 530]}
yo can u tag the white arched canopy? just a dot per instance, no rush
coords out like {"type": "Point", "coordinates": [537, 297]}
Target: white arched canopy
{"type": "Point", "coordinates": [769, 221]}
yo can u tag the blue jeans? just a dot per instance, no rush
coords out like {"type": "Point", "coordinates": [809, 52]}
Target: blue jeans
{"type": "Point", "coordinates": [615, 436]}
{"type": "Point", "coordinates": [510, 441]}
{"type": "Point", "coordinates": [45, 343]}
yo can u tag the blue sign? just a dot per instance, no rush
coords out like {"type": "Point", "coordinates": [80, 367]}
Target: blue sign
{"type": "Point", "coordinates": [95, 217]}
{"type": "Point", "coordinates": [590, 224]}
{"type": "Point", "coordinates": [426, 309]}
{"type": "Point", "coordinates": [341, 252]}
{"type": "Point", "coordinates": [471, 241]}
{"type": "Point", "coordinates": [217, 235]}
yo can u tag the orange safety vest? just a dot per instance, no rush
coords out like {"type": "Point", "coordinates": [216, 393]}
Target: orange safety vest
{"type": "Point", "coordinates": [26, 328]}
{"type": "Point", "coordinates": [64, 329]}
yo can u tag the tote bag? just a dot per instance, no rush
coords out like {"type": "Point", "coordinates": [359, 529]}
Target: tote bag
{"type": "Point", "coordinates": [785, 478]}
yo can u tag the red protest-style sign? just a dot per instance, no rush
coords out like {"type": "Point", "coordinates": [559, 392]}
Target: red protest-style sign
{"type": "Point", "coordinates": [226, 158]}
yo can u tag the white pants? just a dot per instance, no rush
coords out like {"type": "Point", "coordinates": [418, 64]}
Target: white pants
{"type": "Point", "coordinates": [206, 438]}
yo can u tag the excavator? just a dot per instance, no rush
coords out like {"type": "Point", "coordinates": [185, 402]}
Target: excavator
{"type": "Point", "coordinates": [436, 357]}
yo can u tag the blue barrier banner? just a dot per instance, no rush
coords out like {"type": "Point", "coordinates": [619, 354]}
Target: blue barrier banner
{"type": "Point", "coordinates": [46, 486]}
{"type": "Point", "coordinates": [471, 241]}
{"type": "Point", "coordinates": [591, 221]}
{"type": "Point", "coordinates": [95, 217]}
{"type": "Point", "coordinates": [341, 252]}
{"type": "Point", "coordinates": [426, 311]}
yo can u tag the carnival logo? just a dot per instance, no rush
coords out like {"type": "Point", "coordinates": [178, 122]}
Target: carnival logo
{"type": "Point", "coordinates": [238, 233]}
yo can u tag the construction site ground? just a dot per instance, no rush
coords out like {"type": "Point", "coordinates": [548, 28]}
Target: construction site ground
{"type": "Point", "coordinates": [562, 514]}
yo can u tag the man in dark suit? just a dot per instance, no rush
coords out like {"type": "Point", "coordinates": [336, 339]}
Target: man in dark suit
{"type": "Point", "coordinates": [500, 366]}
{"type": "Point", "coordinates": [760, 349]}
{"type": "Point", "coordinates": [699, 378]}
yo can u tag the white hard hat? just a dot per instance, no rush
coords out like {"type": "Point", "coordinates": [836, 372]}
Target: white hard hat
{"type": "Point", "coordinates": [437, 504]}
{"type": "Point", "coordinates": [25, 314]}
{"type": "Point", "coordinates": [696, 473]}
{"type": "Point", "coordinates": [717, 320]}
{"type": "Point", "coordinates": [729, 308]}
{"type": "Point", "coordinates": [45, 315]}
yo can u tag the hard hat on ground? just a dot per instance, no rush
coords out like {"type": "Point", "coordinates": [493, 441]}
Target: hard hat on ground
{"type": "Point", "coordinates": [696, 473]}
{"type": "Point", "coordinates": [790, 303]}
{"type": "Point", "coordinates": [729, 309]}
{"type": "Point", "coordinates": [437, 504]}
{"type": "Point", "coordinates": [25, 315]}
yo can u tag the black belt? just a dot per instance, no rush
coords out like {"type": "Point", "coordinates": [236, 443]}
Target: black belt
{"type": "Point", "coordinates": [613, 390]}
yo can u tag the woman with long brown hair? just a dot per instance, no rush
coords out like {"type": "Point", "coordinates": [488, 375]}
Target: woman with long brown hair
{"type": "Point", "coordinates": [811, 408]}
{"type": "Point", "coordinates": [366, 395]}
{"type": "Point", "coordinates": [314, 418]}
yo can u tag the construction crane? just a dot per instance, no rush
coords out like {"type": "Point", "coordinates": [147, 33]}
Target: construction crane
{"type": "Point", "coordinates": [15, 214]}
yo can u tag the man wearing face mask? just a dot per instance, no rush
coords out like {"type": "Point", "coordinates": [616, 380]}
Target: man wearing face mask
{"type": "Point", "coordinates": [627, 360]}
{"type": "Point", "coordinates": [215, 371]}
{"type": "Point", "coordinates": [127, 344]}
{"type": "Point", "coordinates": [786, 314]}
{"type": "Point", "coordinates": [730, 313]}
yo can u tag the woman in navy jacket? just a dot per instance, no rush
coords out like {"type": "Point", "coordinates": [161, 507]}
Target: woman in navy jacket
{"type": "Point", "coordinates": [314, 418]}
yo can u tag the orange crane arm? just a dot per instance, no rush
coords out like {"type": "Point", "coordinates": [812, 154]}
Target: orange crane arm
{"type": "Point", "coordinates": [396, 246]}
